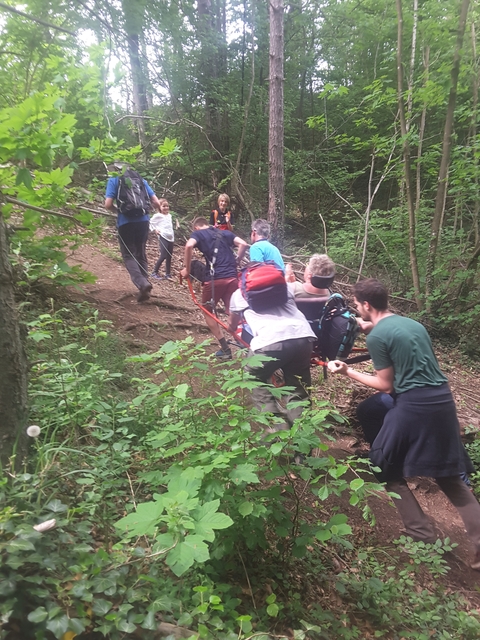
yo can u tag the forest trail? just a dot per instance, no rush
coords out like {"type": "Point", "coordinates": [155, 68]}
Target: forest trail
{"type": "Point", "coordinates": [170, 314]}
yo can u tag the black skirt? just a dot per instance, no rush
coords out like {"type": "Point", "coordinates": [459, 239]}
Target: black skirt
{"type": "Point", "coordinates": [420, 436]}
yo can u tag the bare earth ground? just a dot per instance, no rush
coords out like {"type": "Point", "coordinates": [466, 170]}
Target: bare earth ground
{"type": "Point", "coordinates": [170, 314]}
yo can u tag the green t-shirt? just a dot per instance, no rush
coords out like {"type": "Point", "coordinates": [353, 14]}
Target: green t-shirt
{"type": "Point", "coordinates": [404, 344]}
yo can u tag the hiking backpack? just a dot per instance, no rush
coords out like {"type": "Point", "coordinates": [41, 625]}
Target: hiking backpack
{"type": "Point", "coordinates": [132, 197]}
{"type": "Point", "coordinates": [337, 329]}
{"type": "Point", "coordinates": [263, 286]}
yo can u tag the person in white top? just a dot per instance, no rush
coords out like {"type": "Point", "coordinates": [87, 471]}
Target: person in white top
{"type": "Point", "coordinates": [162, 224]}
{"type": "Point", "coordinates": [282, 333]}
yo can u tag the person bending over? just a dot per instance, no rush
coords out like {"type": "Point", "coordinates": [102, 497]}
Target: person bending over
{"type": "Point", "coordinates": [419, 435]}
{"type": "Point", "coordinates": [221, 272]}
{"type": "Point", "coordinates": [283, 333]}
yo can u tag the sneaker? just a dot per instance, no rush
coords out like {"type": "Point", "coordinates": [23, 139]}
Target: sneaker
{"type": "Point", "coordinates": [224, 355]}
{"type": "Point", "coordinates": [475, 565]}
{"type": "Point", "coordinates": [155, 276]}
{"type": "Point", "coordinates": [168, 277]}
{"type": "Point", "coordinates": [144, 293]}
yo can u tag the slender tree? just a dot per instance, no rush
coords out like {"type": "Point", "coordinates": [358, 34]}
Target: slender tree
{"type": "Point", "coordinates": [13, 372]}
{"type": "Point", "coordinates": [445, 158]}
{"type": "Point", "coordinates": [276, 176]}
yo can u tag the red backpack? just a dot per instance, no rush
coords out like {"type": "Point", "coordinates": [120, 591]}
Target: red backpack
{"type": "Point", "coordinates": [263, 286]}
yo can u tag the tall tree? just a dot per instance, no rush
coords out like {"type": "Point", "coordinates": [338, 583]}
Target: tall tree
{"type": "Point", "coordinates": [276, 176]}
{"type": "Point", "coordinates": [445, 158]}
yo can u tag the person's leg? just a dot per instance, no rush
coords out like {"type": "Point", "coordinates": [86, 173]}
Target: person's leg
{"type": "Point", "coordinates": [168, 256]}
{"type": "Point", "coordinates": [262, 397]}
{"type": "Point", "coordinates": [466, 504]}
{"type": "Point", "coordinates": [416, 523]}
{"type": "Point", "coordinates": [161, 256]}
{"type": "Point", "coordinates": [296, 371]}
{"type": "Point", "coordinates": [212, 324]}
{"type": "Point", "coordinates": [371, 413]}
{"type": "Point", "coordinates": [132, 238]}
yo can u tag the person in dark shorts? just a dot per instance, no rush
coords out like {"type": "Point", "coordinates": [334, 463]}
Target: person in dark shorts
{"type": "Point", "coordinates": [221, 273]}
{"type": "Point", "coordinates": [420, 434]}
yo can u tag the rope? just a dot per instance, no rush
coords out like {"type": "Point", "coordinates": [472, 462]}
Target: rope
{"type": "Point", "coordinates": [211, 315]}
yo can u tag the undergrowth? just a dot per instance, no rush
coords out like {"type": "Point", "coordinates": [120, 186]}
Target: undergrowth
{"type": "Point", "coordinates": [160, 501]}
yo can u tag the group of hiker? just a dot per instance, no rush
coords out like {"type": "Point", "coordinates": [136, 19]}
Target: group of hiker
{"type": "Point", "coordinates": [410, 422]}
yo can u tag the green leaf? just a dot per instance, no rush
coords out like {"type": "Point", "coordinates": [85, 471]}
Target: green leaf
{"type": "Point", "coordinates": [244, 473]}
{"type": "Point", "coordinates": [58, 626]}
{"type": "Point", "coordinates": [39, 615]}
{"type": "Point", "coordinates": [273, 610]}
{"type": "Point", "coordinates": [24, 177]}
{"type": "Point", "coordinates": [207, 519]}
{"type": "Point", "coordinates": [127, 627]}
{"type": "Point", "coordinates": [144, 521]}
{"type": "Point", "coordinates": [18, 544]}
{"type": "Point", "coordinates": [56, 506]}
{"type": "Point", "coordinates": [149, 622]}
{"type": "Point", "coordinates": [323, 492]}
{"type": "Point", "coordinates": [245, 509]}
{"type": "Point", "coordinates": [101, 607]}
{"type": "Point", "coordinates": [180, 559]}
{"type": "Point", "coordinates": [181, 391]}
{"type": "Point", "coordinates": [356, 484]}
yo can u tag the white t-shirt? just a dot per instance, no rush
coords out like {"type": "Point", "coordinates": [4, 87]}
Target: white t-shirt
{"type": "Point", "coordinates": [162, 223]}
{"type": "Point", "coordinates": [281, 323]}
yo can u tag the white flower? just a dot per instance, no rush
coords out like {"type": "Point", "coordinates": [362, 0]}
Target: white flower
{"type": "Point", "coordinates": [33, 431]}
{"type": "Point", "coordinates": [45, 526]}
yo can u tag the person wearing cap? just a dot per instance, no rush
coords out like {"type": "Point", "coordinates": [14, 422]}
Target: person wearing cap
{"type": "Point", "coordinates": [132, 234]}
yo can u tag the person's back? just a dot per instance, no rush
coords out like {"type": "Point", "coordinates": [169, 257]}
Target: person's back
{"type": "Point", "coordinates": [404, 344]}
{"type": "Point", "coordinates": [209, 239]}
{"type": "Point", "coordinates": [262, 250]}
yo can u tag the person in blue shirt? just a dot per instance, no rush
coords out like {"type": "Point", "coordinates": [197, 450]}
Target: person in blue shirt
{"type": "Point", "coordinates": [132, 236]}
{"type": "Point", "coordinates": [261, 249]}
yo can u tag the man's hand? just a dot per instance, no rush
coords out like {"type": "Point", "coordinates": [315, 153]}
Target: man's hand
{"type": "Point", "coordinates": [337, 366]}
{"type": "Point", "coordinates": [184, 273]}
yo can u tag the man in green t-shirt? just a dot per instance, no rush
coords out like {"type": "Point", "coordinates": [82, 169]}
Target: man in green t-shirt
{"type": "Point", "coordinates": [418, 433]}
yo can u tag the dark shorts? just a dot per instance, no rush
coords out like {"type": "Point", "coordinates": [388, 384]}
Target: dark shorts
{"type": "Point", "coordinates": [223, 289]}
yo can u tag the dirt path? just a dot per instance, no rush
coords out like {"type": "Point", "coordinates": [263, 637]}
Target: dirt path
{"type": "Point", "coordinates": [170, 314]}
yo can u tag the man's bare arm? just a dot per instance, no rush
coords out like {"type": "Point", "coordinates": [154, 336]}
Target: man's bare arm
{"type": "Point", "coordinates": [382, 381]}
{"type": "Point", "coordinates": [187, 260]}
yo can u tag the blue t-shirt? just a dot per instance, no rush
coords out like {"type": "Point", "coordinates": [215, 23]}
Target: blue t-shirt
{"type": "Point", "coordinates": [225, 264]}
{"type": "Point", "coordinates": [263, 250]}
{"type": "Point", "coordinates": [111, 192]}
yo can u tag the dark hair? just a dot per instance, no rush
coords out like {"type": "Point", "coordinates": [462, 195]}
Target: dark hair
{"type": "Point", "coordinates": [199, 222]}
{"type": "Point", "coordinates": [373, 292]}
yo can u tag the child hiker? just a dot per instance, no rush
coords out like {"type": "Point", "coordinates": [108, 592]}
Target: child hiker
{"type": "Point", "coordinates": [161, 223]}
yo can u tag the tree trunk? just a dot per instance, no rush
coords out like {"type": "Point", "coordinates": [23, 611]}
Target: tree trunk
{"type": "Point", "coordinates": [13, 371]}
{"type": "Point", "coordinates": [133, 13]}
{"type": "Point", "coordinates": [276, 176]}
{"type": "Point", "coordinates": [445, 161]}
{"type": "Point", "coordinates": [406, 163]}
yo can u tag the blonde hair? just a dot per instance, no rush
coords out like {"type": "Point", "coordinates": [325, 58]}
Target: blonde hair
{"type": "Point", "coordinates": [321, 265]}
{"type": "Point", "coordinates": [227, 198]}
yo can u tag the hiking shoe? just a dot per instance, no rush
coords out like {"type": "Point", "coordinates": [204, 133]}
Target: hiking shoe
{"type": "Point", "coordinates": [144, 293]}
{"type": "Point", "coordinates": [155, 276]}
{"type": "Point", "coordinates": [224, 355]}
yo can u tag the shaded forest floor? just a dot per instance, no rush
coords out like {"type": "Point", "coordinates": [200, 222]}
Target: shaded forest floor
{"type": "Point", "coordinates": [170, 314]}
